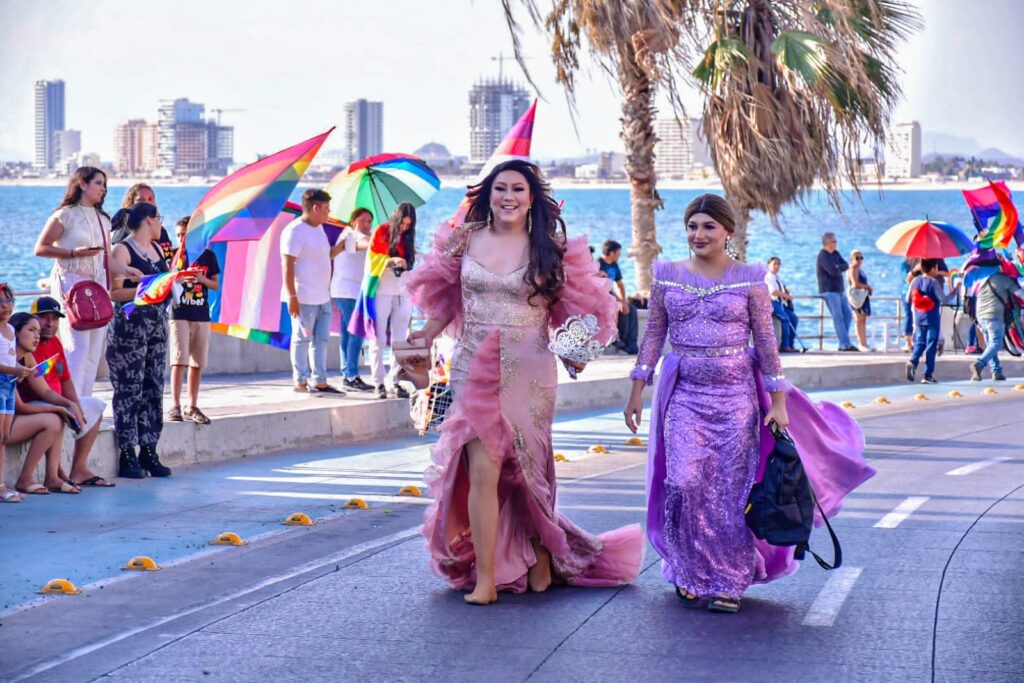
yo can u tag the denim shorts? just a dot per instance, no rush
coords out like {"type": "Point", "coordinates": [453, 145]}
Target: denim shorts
{"type": "Point", "coordinates": [7, 383]}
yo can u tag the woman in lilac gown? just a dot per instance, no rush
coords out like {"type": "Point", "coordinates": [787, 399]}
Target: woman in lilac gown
{"type": "Point", "coordinates": [709, 426]}
{"type": "Point", "coordinates": [498, 282]}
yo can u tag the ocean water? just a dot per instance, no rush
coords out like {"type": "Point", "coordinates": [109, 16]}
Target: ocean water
{"type": "Point", "coordinates": [598, 213]}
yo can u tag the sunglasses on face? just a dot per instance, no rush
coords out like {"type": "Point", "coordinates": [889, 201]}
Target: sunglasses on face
{"type": "Point", "coordinates": [858, 258]}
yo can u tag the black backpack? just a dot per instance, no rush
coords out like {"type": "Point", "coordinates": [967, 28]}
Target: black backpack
{"type": "Point", "coordinates": [780, 509]}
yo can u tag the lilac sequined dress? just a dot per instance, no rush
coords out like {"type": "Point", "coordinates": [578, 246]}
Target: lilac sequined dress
{"type": "Point", "coordinates": [706, 436]}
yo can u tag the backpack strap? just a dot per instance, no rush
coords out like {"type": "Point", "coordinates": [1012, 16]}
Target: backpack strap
{"type": "Point", "coordinates": [837, 550]}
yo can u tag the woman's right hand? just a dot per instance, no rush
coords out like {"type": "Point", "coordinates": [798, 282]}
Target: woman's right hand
{"type": "Point", "coordinates": [634, 411]}
{"type": "Point", "coordinates": [21, 372]}
{"type": "Point", "coordinates": [428, 332]}
{"type": "Point", "coordinates": [398, 262]}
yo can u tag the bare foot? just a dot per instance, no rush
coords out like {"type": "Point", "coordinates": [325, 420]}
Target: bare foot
{"type": "Point", "coordinates": [539, 576]}
{"type": "Point", "coordinates": [482, 594]}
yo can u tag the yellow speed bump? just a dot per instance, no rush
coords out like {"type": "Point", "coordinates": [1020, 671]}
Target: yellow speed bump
{"type": "Point", "coordinates": [847, 404]}
{"type": "Point", "coordinates": [882, 400]}
{"type": "Point", "coordinates": [356, 504]}
{"type": "Point", "coordinates": [955, 394]}
{"type": "Point", "coordinates": [299, 519]}
{"type": "Point", "coordinates": [920, 397]}
{"type": "Point", "coordinates": [1019, 387]}
{"type": "Point", "coordinates": [560, 457]}
{"type": "Point", "coordinates": [142, 563]}
{"type": "Point", "coordinates": [635, 441]}
{"type": "Point", "coordinates": [597, 448]}
{"type": "Point", "coordinates": [990, 391]}
{"type": "Point", "coordinates": [413, 491]}
{"type": "Point", "coordinates": [229, 538]}
{"type": "Point", "coordinates": [59, 587]}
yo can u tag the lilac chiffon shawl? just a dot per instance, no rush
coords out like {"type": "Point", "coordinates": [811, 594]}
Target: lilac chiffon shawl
{"type": "Point", "coordinates": [830, 443]}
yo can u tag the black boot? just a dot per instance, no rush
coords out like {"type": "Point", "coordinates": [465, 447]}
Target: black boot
{"type": "Point", "coordinates": [151, 462]}
{"type": "Point", "coordinates": [128, 464]}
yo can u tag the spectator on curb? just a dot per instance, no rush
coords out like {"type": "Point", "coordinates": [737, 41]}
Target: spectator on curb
{"type": "Point", "coordinates": [859, 296]}
{"type": "Point", "coordinates": [55, 407]}
{"type": "Point", "coordinates": [608, 262]}
{"type": "Point", "coordinates": [137, 351]}
{"type": "Point", "coordinates": [349, 256]}
{"type": "Point", "coordinates": [306, 278]}
{"type": "Point", "coordinates": [76, 237]}
{"type": "Point", "coordinates": [782, 305]}
{"type": "Point", "coordinates": [393, 306]}
{"type": "Point", "coordinates": [994, 299]}
{"type": "Point", "coordinates": [47, 309]}
{"type": "Point", "coordinates": [926, 298]}
{"type": "Point", "coordinates": [10, 373]}
{"type": "Point", "coordinates": [137, 194]}
{"type": "Point", "coordinates": [190, 330]}
{"type": "Point", "coordinates": [830, 269]}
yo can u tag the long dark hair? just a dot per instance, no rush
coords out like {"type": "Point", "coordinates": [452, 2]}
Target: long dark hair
{"type": "Point", "coordinates": [83, 175]}
{"type": "Point", "coordinates": [545, 273]}
{"type": "Point", "coordinates": [406, 239]}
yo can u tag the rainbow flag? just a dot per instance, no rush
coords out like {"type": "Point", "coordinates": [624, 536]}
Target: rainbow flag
{"type": "Point", "coordinates": [364, 318]}
{"type": "Point", "coordinates": [244, 204]}
{"type": "Point", "coordinates": [154, 289]}
{"type": "Point", "coordinates": [515, 145]}
{"type": "Point", "coordinates": [45, 367]}
{"type": "Point", "coordinates": [248, 304]}
{"type": "Point", "coordinates": [995, 216]}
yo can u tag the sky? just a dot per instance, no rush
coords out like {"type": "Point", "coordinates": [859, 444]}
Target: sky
{"type": "Point", "coordinates": [292, 66]}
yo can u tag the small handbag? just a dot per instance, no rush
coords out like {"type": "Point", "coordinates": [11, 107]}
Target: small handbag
{"type": "Point", "coordinates": [87, 304]}
{"type": "Point", "coordinates": [856, 296]}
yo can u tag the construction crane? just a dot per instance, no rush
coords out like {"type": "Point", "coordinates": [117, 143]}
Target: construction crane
{"type": "Point", "coordinates": [218, 112]}
{"type": "Point", "coordinates": [500, 59]}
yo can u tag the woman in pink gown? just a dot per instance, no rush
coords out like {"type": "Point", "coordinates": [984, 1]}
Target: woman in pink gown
{"type": "Point", "coordinates": [499, 282]}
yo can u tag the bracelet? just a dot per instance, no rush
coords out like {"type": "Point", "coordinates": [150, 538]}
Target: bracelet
{"type": "Point", "coordinates": [293, 296]}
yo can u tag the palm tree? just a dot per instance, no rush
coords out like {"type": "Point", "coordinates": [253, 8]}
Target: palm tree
{"type": "Point", "coordinates": [793, 89]}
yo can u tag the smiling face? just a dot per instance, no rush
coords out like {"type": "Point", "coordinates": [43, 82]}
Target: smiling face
{"type": "Point", "coordinates": [705, 235]}
{"type": "Point", "coordinates": [510, 198]}
{"type": "Point", "coordinates": [28, 337]}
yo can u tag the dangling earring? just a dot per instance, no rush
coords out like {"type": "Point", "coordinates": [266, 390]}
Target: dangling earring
{"type": "Point", "coordinates": [490, 218]}
{"type": "Point", "coordinates": [529, 221]}
{"type": "Point", "coordinates": [730, 248]}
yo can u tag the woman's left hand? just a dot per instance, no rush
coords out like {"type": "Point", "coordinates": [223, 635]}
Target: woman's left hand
{"type": "Point", "coordinates": [573, 368]}
{"type": "Point", "coordinates": [778, 415]}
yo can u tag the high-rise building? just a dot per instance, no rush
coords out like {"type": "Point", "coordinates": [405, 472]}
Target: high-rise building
{"type": "Point", "coordinates": [173, 113]}
{"type": "Point", "coordinates": [494, 107]}
{"type": "Point", "coordinates": [673, 153]}
{"type": "Point", "coordinates": [220, 148]}
{"type": "Point", "coordinates": [135, 147]}
{"type": "Point", "coordinates": [49, 119]}
{"type": "Point", "coordinates": [903, 151]}
{"type": "Point", "coordinates": [66, 143]}
{"type": "Point", "coordinates": [364, 129]}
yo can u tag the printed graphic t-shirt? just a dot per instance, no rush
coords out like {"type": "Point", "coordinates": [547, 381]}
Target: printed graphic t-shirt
{"type": "Point", "coordinates": [194, 303]}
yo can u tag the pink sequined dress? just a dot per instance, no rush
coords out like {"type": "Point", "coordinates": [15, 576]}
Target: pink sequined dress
{"type": "Point", "coordinates": [504, 381]}
{"type": "Point", "coordinates": [708, 445]}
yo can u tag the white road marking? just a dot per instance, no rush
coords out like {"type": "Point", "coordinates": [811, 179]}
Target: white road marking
{"type": "Point", "coordinates": [46, 665]}
{"type": "Point", "coordinates": [902, 511]}
{"type": "Point", "coordinates": [975, 466]}
{"type": "Point", "coordinates": [830, 600]}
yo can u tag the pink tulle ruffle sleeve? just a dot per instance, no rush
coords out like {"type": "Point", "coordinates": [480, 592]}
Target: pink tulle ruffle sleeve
{"type": "Point", "coordinates": [584, 292]}
{"type": "Point", "coordinates": [435, 284]}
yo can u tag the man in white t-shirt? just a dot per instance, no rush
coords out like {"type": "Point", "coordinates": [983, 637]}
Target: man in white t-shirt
{"type": "Point", "coordinates": [306, 280]}
{"type": "Point", "coordinates": [349, 261]}
{"type": "Point", "coordinates": [782, 305]}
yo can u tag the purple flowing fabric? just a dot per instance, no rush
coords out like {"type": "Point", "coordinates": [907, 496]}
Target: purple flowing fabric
{"type": "Point", "coordinates": [695, 520]}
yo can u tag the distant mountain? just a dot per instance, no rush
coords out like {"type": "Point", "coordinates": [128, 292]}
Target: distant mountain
{"type": "Point", "coordinates": [934, 142]}
{"type": "Point", "coordinates": [991, 155]}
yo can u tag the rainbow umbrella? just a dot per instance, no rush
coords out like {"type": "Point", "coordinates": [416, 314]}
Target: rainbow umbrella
{"type": "Point", "coordinates": [380, 183]}
{"type": "Point", "coordinates": [924, 239]}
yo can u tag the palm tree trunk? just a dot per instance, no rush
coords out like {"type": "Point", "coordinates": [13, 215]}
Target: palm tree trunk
{"type": "Point", "coordinates": [639, 138]}
{"type": "Point", "coordinates": [739, 236]}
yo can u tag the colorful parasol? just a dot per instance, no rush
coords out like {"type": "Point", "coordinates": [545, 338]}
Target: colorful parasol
{"type": "Point", "coordinates": [380, 183]}
{"type": "Point", "coordinates": [924, 239]}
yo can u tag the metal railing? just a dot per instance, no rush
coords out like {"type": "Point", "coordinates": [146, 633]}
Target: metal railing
{"type": "Point", "coordinates": [877, 323]}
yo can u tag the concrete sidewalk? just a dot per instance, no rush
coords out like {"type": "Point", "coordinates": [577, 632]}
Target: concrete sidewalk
{"type": "Point", "coordinates": [260, 414]}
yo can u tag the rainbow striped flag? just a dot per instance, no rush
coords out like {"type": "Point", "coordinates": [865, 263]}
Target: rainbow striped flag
{"type": "Point", "coordinates": [243, 205]}
{"type": "Point", "coordinates": [995, 215]}
{"type": "Point", "coordinates": [45, 367]}
{"type": "Point", "coordinates": [154, 289]}
{"type": "Point", "coordinates": [364, 317]}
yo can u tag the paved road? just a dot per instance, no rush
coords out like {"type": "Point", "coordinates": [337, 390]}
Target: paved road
{"type": "Point", "coordinates": [934, 547]}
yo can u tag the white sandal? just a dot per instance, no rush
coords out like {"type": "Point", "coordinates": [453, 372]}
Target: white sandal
{"type": "Point", "coordinates": [10, 496]}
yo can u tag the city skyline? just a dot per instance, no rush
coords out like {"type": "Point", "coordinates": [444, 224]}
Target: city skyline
{"type": "Point", "coordinates": [948, 81]}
